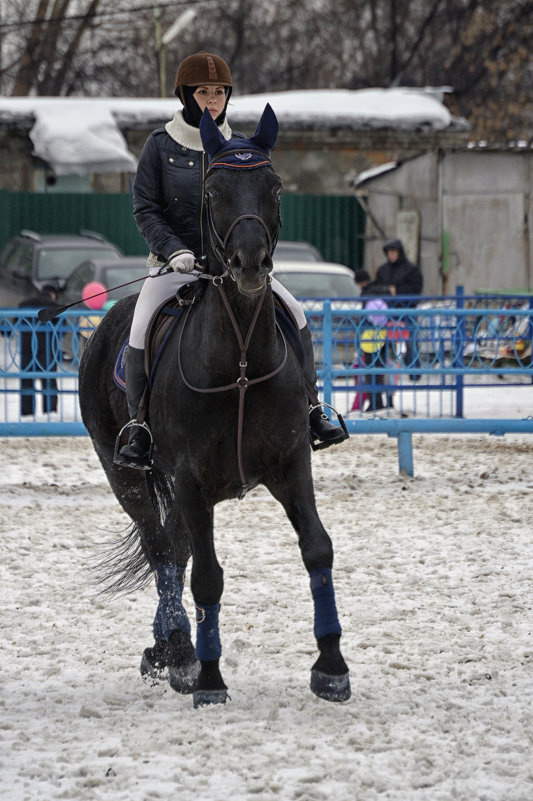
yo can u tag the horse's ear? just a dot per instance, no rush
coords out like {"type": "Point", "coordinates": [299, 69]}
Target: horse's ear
{"type": "Point", "coordinates": [267, 131]}
{"type": "Point", "coordinates": [212, 139]}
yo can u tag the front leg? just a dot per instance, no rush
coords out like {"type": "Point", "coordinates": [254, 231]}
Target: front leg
{"type": "Point", "coordinates": [294, 490]}
{"type": "Point", "coordinates": [207, 584]}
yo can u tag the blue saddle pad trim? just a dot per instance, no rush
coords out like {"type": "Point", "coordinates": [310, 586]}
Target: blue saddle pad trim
{"type": "Point", "coordinates": [285, 323]}
{"type": "Point", "coordinates": [119, 371]}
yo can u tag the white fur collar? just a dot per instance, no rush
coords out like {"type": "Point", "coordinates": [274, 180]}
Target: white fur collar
{"type": "Point", "coordinates": [189, 136]}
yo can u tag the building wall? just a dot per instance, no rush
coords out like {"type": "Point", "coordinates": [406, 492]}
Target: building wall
{"type": "Point", "coordinates": [475, 210]}
{"type": "Point", "coordinates": [320, 162]}
{"type": "Point", "coordinates": [325, 162]}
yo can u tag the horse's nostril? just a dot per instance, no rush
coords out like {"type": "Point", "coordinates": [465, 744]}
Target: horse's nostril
{"type": "Point", "coordinates": [236, 261]}
{"type": "Point", "coordinates": [267, 262]}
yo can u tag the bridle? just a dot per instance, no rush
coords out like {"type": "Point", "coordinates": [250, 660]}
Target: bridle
{"type": "Point", "coordinates": [218, 245]}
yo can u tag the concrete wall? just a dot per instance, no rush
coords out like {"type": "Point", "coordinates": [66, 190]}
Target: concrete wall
{"type": "Point", "coordinates": [486, 207]}
{"type": "Point", "coordinates": [475, 211]}
{"type": "Point", "coordinates": [319, 162]}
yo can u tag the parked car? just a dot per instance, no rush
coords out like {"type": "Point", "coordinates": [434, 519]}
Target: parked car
{"type": "Point", "coordinates": [317, 279]}
{"type": "Point", "coordinates": [314, 282]}
{"type": "Point", "coordinates": [108, 272]}
{"type": "Point", "coordinates": [29, 261]}
{"type": "Point", "coordinates": [287, 250]}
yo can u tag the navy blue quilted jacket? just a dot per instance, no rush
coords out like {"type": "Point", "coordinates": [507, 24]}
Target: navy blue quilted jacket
{"type": "Point", "coordinates": [168, 203]}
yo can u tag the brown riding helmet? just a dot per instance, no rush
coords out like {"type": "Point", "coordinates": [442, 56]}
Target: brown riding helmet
{"type": "Point", "coordinates": [202, 69]}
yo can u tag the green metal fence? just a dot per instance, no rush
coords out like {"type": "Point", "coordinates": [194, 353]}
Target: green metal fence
{"type": "Point", "coordinates": [109, 214]}
{"type": "Point", "coordinates": [333, 224]}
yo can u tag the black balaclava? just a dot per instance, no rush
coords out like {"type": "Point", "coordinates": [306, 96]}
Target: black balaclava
{"type": "Point", "coordinates": [191, 110]}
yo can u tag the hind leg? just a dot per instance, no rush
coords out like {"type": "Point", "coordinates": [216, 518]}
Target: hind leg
{"type": "Point", "coordinates": [166, 556]}
{"type": "Point", "coordinates": [294, 490]}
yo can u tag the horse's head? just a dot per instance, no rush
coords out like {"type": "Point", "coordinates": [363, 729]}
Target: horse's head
{"type": "Point", "coordinates": [242, 195]}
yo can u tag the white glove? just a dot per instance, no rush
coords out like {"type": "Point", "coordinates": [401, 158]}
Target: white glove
{"type": "Point", "coordinates": [182, 262]}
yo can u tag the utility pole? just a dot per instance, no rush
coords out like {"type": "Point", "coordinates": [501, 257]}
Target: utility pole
{"type": "Point", "coordinates": [1, 43]}
{"type": "Point", "coordinates": [160, 52]}
{"type": "Point", "coordinates": [163, 39]}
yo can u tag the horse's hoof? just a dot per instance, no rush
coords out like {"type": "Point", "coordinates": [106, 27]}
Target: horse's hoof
{"type": "Point", "coordinates": [209, 697]}
{"type": "Point", "coordinates": [183, 666]}
{"type": "Point", "coordinates": [154, 662]}
{"type": "Point", "coordinates": [330, 688]}
{"type": "Point", "coordinates": [183, 679]}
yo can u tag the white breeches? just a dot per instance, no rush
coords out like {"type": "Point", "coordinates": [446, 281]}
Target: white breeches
{"type": "Point", "coordinates": [158, 288]}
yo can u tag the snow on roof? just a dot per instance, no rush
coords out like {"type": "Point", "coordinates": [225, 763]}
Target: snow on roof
{"type": "Point", "coordinates": [82, 135]}
{"type": "Point", "coordinates": [373, 172]}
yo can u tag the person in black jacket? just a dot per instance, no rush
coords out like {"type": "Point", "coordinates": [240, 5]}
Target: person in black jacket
{"type": "Point", "coordinates": [36, 353]}
{"type": "Point", "coordinates": [402, 277]}
{"type": "Point", "coordinates": [170, 214]}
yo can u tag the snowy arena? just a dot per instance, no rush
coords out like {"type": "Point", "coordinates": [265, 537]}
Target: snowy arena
{"type": "Point", "coordinates": [434, 589]}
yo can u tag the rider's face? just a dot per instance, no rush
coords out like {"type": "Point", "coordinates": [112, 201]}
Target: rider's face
{"type": "Point", "coordinates": [212, 97]}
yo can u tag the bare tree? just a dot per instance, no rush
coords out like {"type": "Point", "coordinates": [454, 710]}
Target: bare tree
{"type": "Point", "coordinates": [60, 47]}
{"type": "Point", "coordinates": [481, 48]}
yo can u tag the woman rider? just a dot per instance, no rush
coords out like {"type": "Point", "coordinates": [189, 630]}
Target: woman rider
{"type": "Point", "coordinates": [167, 206]}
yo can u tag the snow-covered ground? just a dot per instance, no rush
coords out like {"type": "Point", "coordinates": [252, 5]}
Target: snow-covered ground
{"type": "Point", "coordinates": [434, 587]}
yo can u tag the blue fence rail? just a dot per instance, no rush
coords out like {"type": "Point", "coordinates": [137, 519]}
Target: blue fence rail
{"type": "Point", "coordinates": [395, 371]}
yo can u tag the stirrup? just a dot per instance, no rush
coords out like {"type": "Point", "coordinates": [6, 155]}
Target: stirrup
{"type": "Point", "coordinates": [116, 456]}
{"type": "Point", "coordinates": [317, 444]}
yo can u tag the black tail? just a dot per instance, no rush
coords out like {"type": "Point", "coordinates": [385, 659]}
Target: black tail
{"type": "Point", "coordinates": [161, 489]}
{"type": "Point", "coordinates": [123, 566]}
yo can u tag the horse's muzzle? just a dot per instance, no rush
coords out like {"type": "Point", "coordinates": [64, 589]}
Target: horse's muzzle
{"type": "Point", "coordinates": [251, 271]}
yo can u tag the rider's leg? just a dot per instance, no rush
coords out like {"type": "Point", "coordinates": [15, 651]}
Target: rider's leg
{"type": "Point", "coordinates": [321, 428]}
{"type": "Point", "coordinates": [136, 453]}
{"type": "Point", "coordinates": [155, 290]}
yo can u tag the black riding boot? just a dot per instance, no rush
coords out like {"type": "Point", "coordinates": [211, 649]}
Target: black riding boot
{"type": "Point", "coordinates": [137, 453]}
{"type": "Point", "coordinates": [320, 427]}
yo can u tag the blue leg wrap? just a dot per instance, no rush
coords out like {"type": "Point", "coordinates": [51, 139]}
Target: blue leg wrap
{"type": "Point", "coordinates": [171, 615]}
{"type": "Point", "coordinates": [208, 645]}
{"type": "Point", "coordinates": [326, 618]}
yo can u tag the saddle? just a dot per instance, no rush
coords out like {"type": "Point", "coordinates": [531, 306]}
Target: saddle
{"type": "Point", "coordinates": [161, 325]}
{"type": "Point", "coordinates": [164, 322]}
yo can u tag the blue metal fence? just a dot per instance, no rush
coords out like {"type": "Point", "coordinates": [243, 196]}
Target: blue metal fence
{"type": "Point", "coordinates": [394, 371]}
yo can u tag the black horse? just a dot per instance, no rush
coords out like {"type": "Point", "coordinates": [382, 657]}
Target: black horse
{"type": "Point", "coordinates": [228, 411]}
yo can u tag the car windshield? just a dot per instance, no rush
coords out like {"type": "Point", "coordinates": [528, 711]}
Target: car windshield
{"type": "Point", "coordinates": [318, 285]}
{"type": "Point", "coordinates": [295, 252]}
{"type": "Point", "coordinates": [60, 262]}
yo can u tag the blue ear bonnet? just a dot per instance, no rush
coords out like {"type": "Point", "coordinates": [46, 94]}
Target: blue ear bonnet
{"type": "Point", "coordinates": [236, 154]}
{"type": "Point", "coordinates": [235, 159]}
